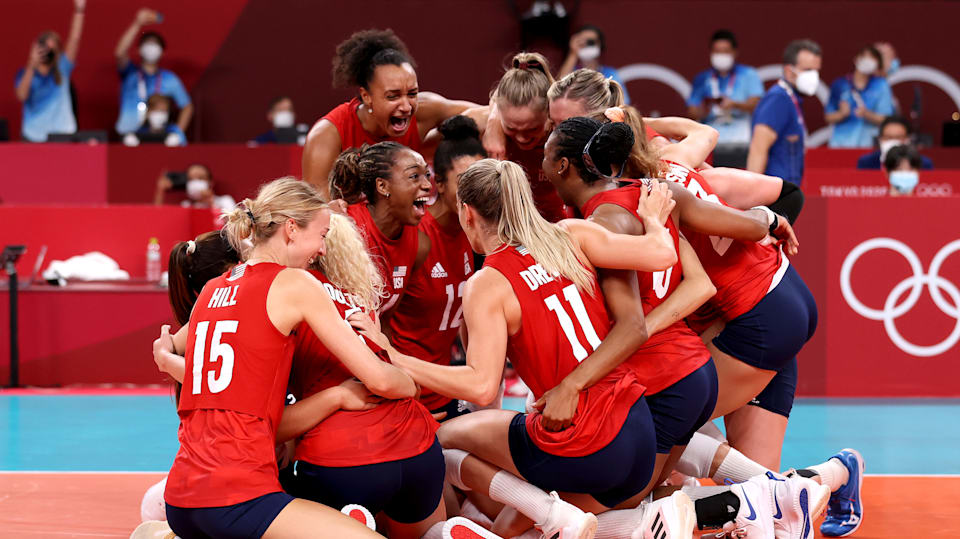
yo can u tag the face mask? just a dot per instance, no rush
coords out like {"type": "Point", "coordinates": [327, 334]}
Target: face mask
{"type": "Point", "coordinates": [197, 188]}
{"type": "Point", "coordinates": [282, 119]}
{"type": "Point", "coordinates": [808, 82]}
{"type": "Point", "coordinates": [589, 53]}
{"type": "Point", "coordinates": [886, 145]}
{"type": "Point", "coordinates": [721, 61]}
{"type": "Point", "coordinates": [158, 119]}
{"type": "Point", "coordinates": [894, 65]}
{"type": "Point", "coordinates": [904, 180]}
{"type": "Point", "coordinates": [866, 65]}
{"type": "Point", "coordinates": [150, 52]}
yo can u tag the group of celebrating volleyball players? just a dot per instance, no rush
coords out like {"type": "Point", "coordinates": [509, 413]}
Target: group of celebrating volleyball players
{"type": "Point", "coordinates": [317, 328]}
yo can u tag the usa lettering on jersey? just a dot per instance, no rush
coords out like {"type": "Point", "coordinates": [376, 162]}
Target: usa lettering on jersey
{"type": "Point", "coordinates": [399, 272]}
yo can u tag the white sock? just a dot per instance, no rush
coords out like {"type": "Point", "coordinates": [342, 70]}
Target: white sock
{"type": "Point", "coordinates": [453, 458]}
{"type": "Point", "coordinates": [832, 473]}
{"type": "Point", "coordinates": [698, 493]}
{"type": "Point", "coordinates": [509, 489]}
{"type": "Point", "coordinates": [712, 430]}
{"type": "Point", "coordinates": [737, 468]}
{"type": "Point", "coordinates": [435, 531]}
{"type": "Point", "coordinates": [698, 456]}
{"type": "Point", "coordinates": [617, 524]}
{"type": "Point", "coordinates": [468, 510]}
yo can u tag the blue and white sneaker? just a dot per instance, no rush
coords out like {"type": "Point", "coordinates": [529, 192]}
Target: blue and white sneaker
{"type": "Point", "coordinates": [797, 502]}
{"type": "Point", "coordinates": [845, 511]}
{"type": "Point", "coordinates": [754, 519]}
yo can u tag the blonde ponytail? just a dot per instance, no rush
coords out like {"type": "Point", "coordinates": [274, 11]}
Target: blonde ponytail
{"type": "Point", "coordinates": [526, 82]}
{"type": "Point", "coordinates": [348, 265]}
{"type": "Point", "coordinates": [500, 192]}
{"type": "Point", "coordinates": [279, 200]}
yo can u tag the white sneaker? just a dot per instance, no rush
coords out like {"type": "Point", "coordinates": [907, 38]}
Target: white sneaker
{"type": "Point", "coordinates": [755, 518]}
{"type": "Point", "coordinates": [567, 521]}
{"type": "Point", "coordinates": [153, 529]}
{"type": "Point", "coordinates": [797, 502]}
{"type": "Point", "coordinates": [667, 518]}
{"type": "Point", "coordinates": [464, 528]}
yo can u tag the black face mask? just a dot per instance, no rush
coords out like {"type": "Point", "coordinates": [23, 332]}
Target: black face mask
{"type": "Point", "coordinates": [48, 57]}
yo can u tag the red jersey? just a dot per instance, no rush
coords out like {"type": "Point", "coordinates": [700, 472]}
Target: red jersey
{"type": "Point", "coordinates": [743, 272]}
{"type": "Point", "coordinates": [237, 367]}
{"type": "Point", "coordinates": [560, 327]}
{"type": "Point", "coordinates": [394, 430]}
{"type": "Point", "coordinates": [394, 257]}
{"type": "Point", "coordinates": [676, 351]}
{"type": "Point", "coordinates": [545, 195]}
{"type": "Point", "coordinates": [353, 135]}
{"type": "Point", "coordinates": [427, 319]}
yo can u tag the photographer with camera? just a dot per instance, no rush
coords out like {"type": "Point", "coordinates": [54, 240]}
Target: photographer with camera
{"type": "Point", "coordinates": [197, 182]}
{"type": "Point", "coordinates": [587, 45]}
{"type": "Point", "coordinates": [43, 86]}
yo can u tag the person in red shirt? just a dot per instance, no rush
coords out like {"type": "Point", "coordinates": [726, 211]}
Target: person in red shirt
{"type": "Point", "coordinates": [238, 349]}
{"type": "Point", "coordinates": [389, 105]}
{"type": "Point", "coordinates": [428, 319]}
{"type": "Point", "coordinates": [387, 186]}
{"type": "Point", "coordinates": [538, 301]}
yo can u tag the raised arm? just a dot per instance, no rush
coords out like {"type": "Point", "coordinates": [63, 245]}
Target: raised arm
{"type": "Point", "coordinates": [696, 140]}
{"type": "Point", "coordinates": [23, 85]}
{"type": "Point", "coordinates": [763, 138]}
{"type": "Point", "coordinates": [307, 298]}
{"type": "Point", "coordinates": [319, 153]}
{"type": "Point", "coordinates": [692, 292]}
{"type": "Point", "coordinates": [143, 17]}
{"type": "Point", "coordinates": [478, 381]}
{"type": "Point", "coordinates": [76, 30]}
{"type": "Point", "coordinates": [433, 109]}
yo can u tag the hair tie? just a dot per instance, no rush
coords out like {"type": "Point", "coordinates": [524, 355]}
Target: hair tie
{"type": "Point", "coordinates": [191, 246]}
{"type": "Point", "coordinates": [528, 65]}
{"type": "Point", "coordinates": [591, 166]}
{"type": "Point", "coordinates": [615, 114]}
{"type": "Point", "coordinates": [253, 220]}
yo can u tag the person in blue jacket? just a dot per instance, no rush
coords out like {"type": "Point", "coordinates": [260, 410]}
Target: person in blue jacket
{"type": "Point", "coordinates": [859, 102]}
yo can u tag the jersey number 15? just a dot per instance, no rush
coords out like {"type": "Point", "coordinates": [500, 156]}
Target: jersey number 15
{"type": "Point", "coordinates": [219, 352]}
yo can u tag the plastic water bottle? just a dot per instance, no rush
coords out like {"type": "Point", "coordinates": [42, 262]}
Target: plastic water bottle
{"type": "Point", "coordinates": [153, 261]}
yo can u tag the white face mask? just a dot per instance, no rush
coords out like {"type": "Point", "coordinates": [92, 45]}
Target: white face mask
{"type": "Point", "coordinates": [808, 82]}
{"type": "Point", "coordinates": [158, 119]}
{"type": "Point", "coordinates": [151, 52]}
{"type": "Point", "coordinates": [886, 145]}
{"type": "Point", "coordinates": [589, 53]}
{"type": "Point", "coordinates": [282, 119]}
{"type": "Point", "coordinates": [721, 61]}
{"type": "Point", "coordinates": [196, 188]}
{"type": "Point", "coordinates": [867, 65]}
{"type": "Point", "coordinates": [904, 181]}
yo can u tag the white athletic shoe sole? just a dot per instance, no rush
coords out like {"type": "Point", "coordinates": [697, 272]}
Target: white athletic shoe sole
{"type": "Point", "coordinates": [464, 528]}
{"type": "Point", "coordinates": [668, 518]}
{"type": "Point", "coordinates": [361, 514]}
{"type": "Point", "coordinates": [567, 521]}
{"type": "Point", "coordinates": [153, 529]}
{"type": "Point", "coordinates": [793, 511]}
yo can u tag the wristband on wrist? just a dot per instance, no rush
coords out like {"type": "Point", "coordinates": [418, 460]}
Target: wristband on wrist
{"type": "Point", "coordinates": [772, 220]}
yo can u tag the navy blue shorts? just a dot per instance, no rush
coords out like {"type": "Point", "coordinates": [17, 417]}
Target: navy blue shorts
{"type": "Point", "coordinates": [770, 335]}
{"type": "Point", "coordinates": [679, 410]}
{"type": "Point", "coordinates": [612, 475]}
{"type": "Point", "coordinates": [454, 408]}
{"type": "Point", "coordinates": [247, 519]}
{"type": "Point", "coordinates": [406, 490]}
{"type": "Point", "coordinates": [778, 395]}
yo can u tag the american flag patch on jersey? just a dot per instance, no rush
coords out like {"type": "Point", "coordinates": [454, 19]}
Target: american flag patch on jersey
{"type": "Point", "coordinates": [399, 271]}
{"type": "Point", "coordinates": [522, 250]}
{"type": "Point", "coordinates": [237, 272]}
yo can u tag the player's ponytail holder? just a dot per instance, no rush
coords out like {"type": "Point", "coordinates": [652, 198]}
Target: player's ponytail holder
{"type": "Point", "coordinates": [615, 114]}
{"type": "Point", "coordinates": [253, 220]}
{"type": "Point", "coordinates": [591, 166]}
{"type": "Point", "coordinates": [191, 247]}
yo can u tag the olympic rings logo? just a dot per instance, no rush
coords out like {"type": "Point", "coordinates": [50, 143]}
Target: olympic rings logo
{"type": "Point", "coordinates": [915, 283]}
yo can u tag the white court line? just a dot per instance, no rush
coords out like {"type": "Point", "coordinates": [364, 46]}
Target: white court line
{"type": "Point", "coordinates": [94, 472]}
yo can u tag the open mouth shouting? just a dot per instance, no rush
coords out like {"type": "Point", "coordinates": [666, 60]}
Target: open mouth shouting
{"type": "Point", "coordinates": [420, 206]}
{"type": "Point", "coordinates": [399, 124]}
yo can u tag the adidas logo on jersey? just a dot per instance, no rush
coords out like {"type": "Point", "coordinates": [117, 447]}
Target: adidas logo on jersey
{"type": "Point", "coordinates": [438, 272]}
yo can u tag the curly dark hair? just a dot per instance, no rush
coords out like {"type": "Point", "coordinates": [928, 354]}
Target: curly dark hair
{"type": "Point", "coordinates": [355, 172]}
{"type": "Point", "coordinates": [460, 137]}
{"type": "Point", "coordinates": [612, 143]}
{"type": "Point", "coordinates": [360, 54]}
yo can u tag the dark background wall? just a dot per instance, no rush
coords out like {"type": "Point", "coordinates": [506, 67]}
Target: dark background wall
{"type": "Point", "coordinates": [235, 55]}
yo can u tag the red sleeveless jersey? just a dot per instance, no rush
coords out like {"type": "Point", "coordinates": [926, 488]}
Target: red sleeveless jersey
{"type": "Point", "coordinates": [560, 327]}
{"type": "Point", "coordinates": [545, 195]}
{"type": "Point", "coordinates": [427, 319]}
{"type": "Point", "coordinates": [394, 430]}
{"type": "Point", "coordinates": [676, 351]}
{"type": "Point", "coordinates": [742, 271]}
{"type": "Point", "coordinates": [237, 368]}
{"type": "Point", "coordinates": [352, 134]}
{"type": "Point", "coordinates": [394, 257]}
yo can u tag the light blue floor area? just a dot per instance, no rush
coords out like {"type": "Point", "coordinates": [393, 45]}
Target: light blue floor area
{"type": "Point", "coordinates": [139, 433]}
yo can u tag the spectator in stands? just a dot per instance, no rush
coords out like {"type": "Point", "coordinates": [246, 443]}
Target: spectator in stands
{"type": "Point", "coordinates": [198, 186]}
{"type": "Point", "coordinates": [776, 148]}
{"type": "Point", "coordinates": [281, 116]}
{"type": "Point", "coordinates": [139, 82]}
{"type": "Point", "coordinates": [902, 166]}
{"type": "Point", "coordinates": [859, 102]}
{"type": "Point", "coordinates": [725, 95]}
{"type": "Point", "coordinates": [43, 85]}
{"type": "Point", "coordinates": [158, 124]}
{"type": "Point", "coordinates": [587, 45]}
{"type": "Point", "coordinates": [894, 131]}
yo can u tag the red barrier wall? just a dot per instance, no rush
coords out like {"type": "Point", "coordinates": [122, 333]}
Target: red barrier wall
{"type": "Point", "coordinates": [844, 182]}
{"type": "Point", "coordinates": [236, 55]}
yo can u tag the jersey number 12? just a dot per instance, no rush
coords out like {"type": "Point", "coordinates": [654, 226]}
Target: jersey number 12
{"type": "Point", "coordinates": [219, 352]}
